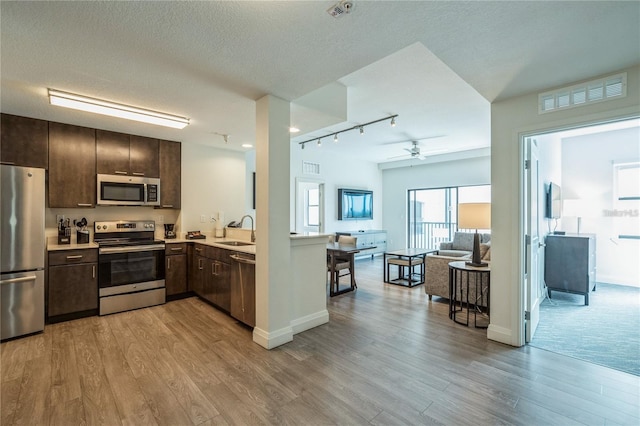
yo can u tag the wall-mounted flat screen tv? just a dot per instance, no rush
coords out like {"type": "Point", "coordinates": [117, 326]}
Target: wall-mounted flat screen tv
{"type": "Point", "coordinates": [554, 201]}
{"type": "Point", "coordinates": [355, 204]}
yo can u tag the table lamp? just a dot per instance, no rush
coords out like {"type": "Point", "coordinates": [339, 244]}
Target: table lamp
{"type": "Point", "coordinates": [475, 216]}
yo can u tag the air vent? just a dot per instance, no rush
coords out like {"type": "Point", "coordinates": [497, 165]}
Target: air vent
{"type": "Point", "coordinates": [603, 89]}
{"type": "Point", "coordinates": [309, 168]}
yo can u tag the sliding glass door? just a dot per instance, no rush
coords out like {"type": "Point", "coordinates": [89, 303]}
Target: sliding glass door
{"type": "Point", "coordinates": [433, 213]}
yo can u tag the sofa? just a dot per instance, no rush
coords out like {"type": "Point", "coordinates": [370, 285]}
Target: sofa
{"type": "Point", "coordinates": [437, 265]}
{"type": "Point", "coordinates": [462, 244]}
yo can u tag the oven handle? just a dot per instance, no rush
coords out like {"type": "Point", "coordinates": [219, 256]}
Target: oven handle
{"type": "Point", "coordinates": [151, 247]}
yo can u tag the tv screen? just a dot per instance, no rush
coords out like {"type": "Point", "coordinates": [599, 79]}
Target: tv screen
{"type": "Point", "coordinates": [355, 204]}
{"type": "Point", "coordinates": [554, 201]}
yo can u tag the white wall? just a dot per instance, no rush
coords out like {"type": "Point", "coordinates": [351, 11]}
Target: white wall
{"type": "Point", "coordinates": [396, 182]}
{"type": "Point", "coordinates": [510, 119]}
{"type": "Point", "coordinates": [587, 175]}
{"type": "Point", "coordinates": [213, 180]}
{"type": "Point", "coordinates": [339, 172]}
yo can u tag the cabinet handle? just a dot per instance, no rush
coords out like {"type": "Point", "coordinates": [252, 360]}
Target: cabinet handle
{"type": "Point", "coordinates": [137, 173]}
{"type": "Point", "coordinates": [198, 249]}
{"type": "Point", "coordinates": [168, 262]}
{"type": "Point", "coordinates": [8, 163]}
{"type": "Point", "coordinates": [176, 249]}
{"type": "Point", "coordinates": [120, 172]}
{"type": "Point", "coordinates": [85, 205]}
{"type": "Point", "coordinates": [200, 264]}
{"type": "Point", "coordinates": [93, 271]}
{"type": "Point", "coordinates": [77, 256]}
{"type": "Point", "coordinates": [167, 206]}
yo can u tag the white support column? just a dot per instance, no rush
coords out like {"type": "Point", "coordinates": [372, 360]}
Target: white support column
{"type": "Point", "coordinates": [273, 262]}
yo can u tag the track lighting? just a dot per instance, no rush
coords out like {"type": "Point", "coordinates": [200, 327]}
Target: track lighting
{"type": "Point", "coordinates": [360, 127]}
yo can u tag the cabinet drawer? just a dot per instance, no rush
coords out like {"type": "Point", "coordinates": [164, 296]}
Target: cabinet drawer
{"type": "Point", "coordinates": [175, 248]}
{"type": "Point", "coordinates": [66, 257]}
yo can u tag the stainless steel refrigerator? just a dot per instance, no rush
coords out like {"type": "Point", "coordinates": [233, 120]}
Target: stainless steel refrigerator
{"type": "Point", "coordinates": [22, 239]}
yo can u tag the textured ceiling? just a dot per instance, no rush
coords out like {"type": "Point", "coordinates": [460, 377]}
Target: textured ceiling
{"type": "Point", "coordinates": [437, 64]}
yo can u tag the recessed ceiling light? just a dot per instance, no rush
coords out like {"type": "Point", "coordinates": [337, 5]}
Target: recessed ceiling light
{"type": "Point", "coordinates": [247, 145]}
{"type": "Point", "coordinates": [293, 130]}
{"type": "Point", "coordinates": [112, 109]}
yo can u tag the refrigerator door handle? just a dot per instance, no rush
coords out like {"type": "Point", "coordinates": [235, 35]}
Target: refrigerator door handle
{"type": "Point", "coordinates": [18, 280]}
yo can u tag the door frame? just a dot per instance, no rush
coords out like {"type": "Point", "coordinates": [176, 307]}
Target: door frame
{"type": "Point", "coordinates": [299, 203]}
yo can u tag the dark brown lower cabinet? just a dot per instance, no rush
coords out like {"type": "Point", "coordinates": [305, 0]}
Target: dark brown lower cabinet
{"type": "Point", "coordinates": [73, 282]}
{"type": "Point", "coordinates": [176, 268]}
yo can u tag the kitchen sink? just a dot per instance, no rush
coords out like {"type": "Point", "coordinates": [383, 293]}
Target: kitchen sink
{"type": "Point", "coordinates": [236, 243]}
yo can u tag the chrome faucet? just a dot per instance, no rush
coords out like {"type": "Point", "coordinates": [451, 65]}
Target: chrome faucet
{"type": "Point", "coordinates": [253, 233]}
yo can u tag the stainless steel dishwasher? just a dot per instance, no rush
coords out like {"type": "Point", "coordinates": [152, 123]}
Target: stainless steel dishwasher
{"type": "Point", "coordinates": [243, 289]}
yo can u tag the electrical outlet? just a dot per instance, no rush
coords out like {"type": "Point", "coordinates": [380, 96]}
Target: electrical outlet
{"type": "Point", "coordinates": [59, 218]}
{"type": "Point", "coordinates": [160, 219]}
{"type": "Point", "coordinates": [203, 218]}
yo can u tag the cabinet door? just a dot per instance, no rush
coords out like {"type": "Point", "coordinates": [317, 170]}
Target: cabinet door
{"type": "Point", "coordinates": [72, 166]}
{"type": "Point", "coordinates": [112, 153]}
{"type": "Point", "coordinates": [176, 274]}
{"type": "Point", "coordinates": [197, 276]}
{"type": "Point", "coordinates": [143, 157]}
{"type": "Point", "coordinates": [72, 288]}
{"type": "Point", "coordinates": [24, 141]}
{"type": "Point", "coordinates": [170, 174]}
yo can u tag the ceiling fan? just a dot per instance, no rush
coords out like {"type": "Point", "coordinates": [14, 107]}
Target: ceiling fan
{"type": "Point", "coordinates": [413, 152]}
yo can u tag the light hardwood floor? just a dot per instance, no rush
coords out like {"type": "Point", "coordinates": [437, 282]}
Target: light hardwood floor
{"type": "Point", "coordinates": [388, 356]}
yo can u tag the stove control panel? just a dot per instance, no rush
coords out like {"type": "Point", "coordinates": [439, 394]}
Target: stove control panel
{"type": "Point", "coordinates": [124, 226]}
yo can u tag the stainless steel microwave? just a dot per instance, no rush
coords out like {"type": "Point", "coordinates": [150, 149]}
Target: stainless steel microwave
{"type": "Point", "coordinates": [118, 190]}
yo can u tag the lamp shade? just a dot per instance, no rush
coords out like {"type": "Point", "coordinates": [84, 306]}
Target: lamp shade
{"type": "Point", "coordinates": [474, 215]}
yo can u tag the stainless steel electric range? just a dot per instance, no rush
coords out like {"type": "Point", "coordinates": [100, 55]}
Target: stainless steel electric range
{"type": "Point", "coordinates": [130, 266]}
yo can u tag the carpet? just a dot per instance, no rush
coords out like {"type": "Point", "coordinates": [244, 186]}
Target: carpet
{"type": "Point", "coordinates": [607, 332]}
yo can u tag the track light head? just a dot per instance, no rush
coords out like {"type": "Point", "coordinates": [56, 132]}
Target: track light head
{"type": "Point", "coordinates": [362, 130]}
{"type": "Point", "coordinates": [301, 146]}
{"type": "Point", "coordinates": [319, 142]}
{"type": "Point", "coordinates": [393, 122]}
{"type": "Point", "coordinates": [335, 138]}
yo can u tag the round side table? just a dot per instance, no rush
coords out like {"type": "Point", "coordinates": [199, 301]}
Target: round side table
{"type": "Point", "coordinates": [462, 278]}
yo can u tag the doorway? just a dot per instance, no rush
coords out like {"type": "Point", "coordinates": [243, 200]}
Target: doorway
{"type": "Point", "coordinates": [309, 211]}
{"type": "Point", "coordinates": [585, 164]}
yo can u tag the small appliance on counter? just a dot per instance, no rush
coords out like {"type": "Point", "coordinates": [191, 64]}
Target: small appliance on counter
{"type": "Point", "coordinates": [169, 232]}
{"type": "Point", "coordinates": [82, 233]}
{"type": "Point", "coordinates": [195, 235]}
{"type": "Point", "coordinates": [64, 231]}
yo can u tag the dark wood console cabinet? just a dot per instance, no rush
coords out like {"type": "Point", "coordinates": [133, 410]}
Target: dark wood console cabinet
{"type": "Point", "coordinates": [570, 264]}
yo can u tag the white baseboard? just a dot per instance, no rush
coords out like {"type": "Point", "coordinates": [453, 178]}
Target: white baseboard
{"type": "Point", "coordinates": [270, 340]}
{"type": "Point", "coordinates": [500, 334]}
{"type": "Point", "coordinates": [309, 321]}
{"type": "Point", "coordinates": [617, 279]}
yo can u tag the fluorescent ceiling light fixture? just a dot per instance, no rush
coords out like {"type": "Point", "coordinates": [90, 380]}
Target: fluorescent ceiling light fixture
{"type": "Point", "coordinates": [247, 145]}
{"type": "Point", "coordinates": [112, 109]}
{"type": "Point", "coordinates": [293, 130]}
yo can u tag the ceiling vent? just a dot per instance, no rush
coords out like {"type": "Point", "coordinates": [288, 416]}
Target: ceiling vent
{"type": "Point", "coordinates": [340, 8]}
{"type": "Point", "coordinates": [603, 89]}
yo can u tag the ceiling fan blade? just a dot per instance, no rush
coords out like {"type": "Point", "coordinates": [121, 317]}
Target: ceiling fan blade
{"type": "Point", "coordinates": [399, 156]}
{"type": "Point", "coordinates": [414, 140]}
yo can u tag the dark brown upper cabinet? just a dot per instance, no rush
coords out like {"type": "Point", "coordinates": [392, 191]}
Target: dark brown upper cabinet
{"type": "Point", "coordinates": [72, 166]}
{"type": "Point", "coordinates": [122, 154]}
{"type": "Point", "coordinates": [24, 141]}
{"type": "Point", "coordinates": [170, 172]}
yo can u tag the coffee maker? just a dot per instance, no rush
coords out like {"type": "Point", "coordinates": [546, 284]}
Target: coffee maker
{"type": "Point", "coordinates": [169, 233]}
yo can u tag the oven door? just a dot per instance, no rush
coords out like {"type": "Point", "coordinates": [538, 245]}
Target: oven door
{"type": "Point", "coordinates": [121, 266]}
